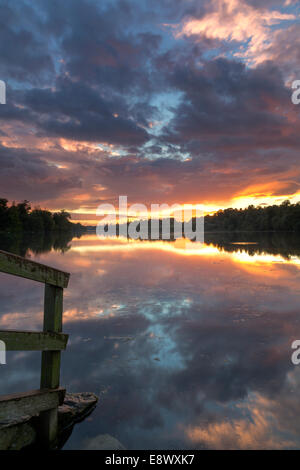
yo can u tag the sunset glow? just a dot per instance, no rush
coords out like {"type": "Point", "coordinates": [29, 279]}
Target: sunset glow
{"type": "Point", "coordinates": [190, 107]}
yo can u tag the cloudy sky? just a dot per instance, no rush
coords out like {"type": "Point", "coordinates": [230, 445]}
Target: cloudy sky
{"type": "Point", "coordinates": [165, 101]}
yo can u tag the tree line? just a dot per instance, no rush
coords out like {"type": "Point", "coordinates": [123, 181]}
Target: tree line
{"type": "Point", "coordinates": [20, 217]}
{"type": "Point", "coordinates": [284, 217]}
{"type": "Point", "coordinates": [276, 218]}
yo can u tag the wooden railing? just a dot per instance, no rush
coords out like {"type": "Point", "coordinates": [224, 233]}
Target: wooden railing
{"type": "Point", "coordinates": [51, 341]}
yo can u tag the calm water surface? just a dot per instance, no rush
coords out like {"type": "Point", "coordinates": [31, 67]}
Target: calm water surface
{"type": "Point", "coordinates": [186, 345]}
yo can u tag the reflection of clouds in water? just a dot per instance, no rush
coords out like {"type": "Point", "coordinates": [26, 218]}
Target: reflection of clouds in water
{"type": "Point", "coordinates": [167, 308]}
{"type": "Point", "coordinates": [256, 431]}
{"type": "Point", "coordinates": [21, 373]}
{"type": "Point", "coordinates": [220, 366]}
{"type": "Point", "coordinates": [167, 351]}
{"type": "Point", "coordinates": [191, 351]}
{"type": "Point", "coordinates": [133, 278]}
{"type": "Point", "coordinates": [21, 303]}
{"type": "Point", "coordinates": [259, 423]}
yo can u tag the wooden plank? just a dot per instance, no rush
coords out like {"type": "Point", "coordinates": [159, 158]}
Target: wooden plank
{"type": "Point", "coordinates": [50, 369]}
{"type": "Point", "coordinates": [53, 308]}
{"type": "Point", "coordinates": [50, 373]}
{"type": "Point", "coordinates": [13, 264]}
{"type": "Point", "coordinates": [33, 340]}
{"type": "Point", "coordinates": [30, 403]}
{"type": "Point", "coordinates": [47, 428]}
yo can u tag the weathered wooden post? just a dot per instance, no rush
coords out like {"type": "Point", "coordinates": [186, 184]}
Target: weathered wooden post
{"type": "Point", "coordinates": [50, 370]}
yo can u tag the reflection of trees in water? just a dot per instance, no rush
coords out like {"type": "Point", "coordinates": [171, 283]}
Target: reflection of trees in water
{"type": "Point", "coordinates": [42, 242]}
{"type": "Point", "coordinates": [254, 243]}
{"type": "Point", "coordinates": [286, 244]}
{"type": "Point", "coordinates": [272, 243]}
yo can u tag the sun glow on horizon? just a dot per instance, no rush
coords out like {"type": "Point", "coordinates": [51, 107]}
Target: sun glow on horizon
{"type": "Point", "coordinates": [83, 214]}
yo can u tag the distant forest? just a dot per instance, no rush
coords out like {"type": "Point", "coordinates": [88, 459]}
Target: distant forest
{"type": "Point", "coordinates": [20, 217]}
{"type": "Point", "coordinates": [276, 218]}
{"type": "Point", "coordinates": [285, 217]}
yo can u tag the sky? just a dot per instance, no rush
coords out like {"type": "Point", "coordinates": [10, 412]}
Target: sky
{"type": "Point", "coordinates": [164, 101]}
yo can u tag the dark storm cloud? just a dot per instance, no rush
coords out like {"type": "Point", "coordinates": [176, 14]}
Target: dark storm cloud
{"type": "Point", "coordinates": [225, 99]}
{"type": "Point", "coordinates": [76, 111]}
{"type": "Point", "coordinates": [29, 173]}
{"type": "Point", "coordinates": [107, 66]}
{"type": "Point", "coordinates": [24, 55]}
{"type": "Point", "coordinates": [103, 44]}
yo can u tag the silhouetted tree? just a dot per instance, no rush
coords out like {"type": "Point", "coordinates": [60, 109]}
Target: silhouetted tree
{"type": "Point", "coordinates": [18, 218]}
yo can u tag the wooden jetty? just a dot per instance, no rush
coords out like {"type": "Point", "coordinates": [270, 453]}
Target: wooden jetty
{"type": "Point", "coordinates": [51, 341]}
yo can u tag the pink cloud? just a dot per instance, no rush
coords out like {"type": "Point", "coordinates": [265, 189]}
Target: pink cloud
{"type": "Point", "coordinates": [236, 20]}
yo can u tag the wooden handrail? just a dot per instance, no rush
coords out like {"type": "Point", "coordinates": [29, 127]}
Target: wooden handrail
{"type": "Point", "coordinates": [18, 266]}
{"type": "Point", "coordinates": [33, 340]}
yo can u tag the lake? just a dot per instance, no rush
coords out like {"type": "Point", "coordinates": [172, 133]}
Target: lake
{"type": "Point", "coordinates": [187, 345]}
